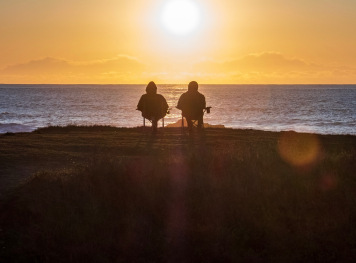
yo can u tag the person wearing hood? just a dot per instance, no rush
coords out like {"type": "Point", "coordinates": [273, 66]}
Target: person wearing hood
{"type": "Point", "coordinates": [192, 104]}
{"type": "Point", "coordinates": [152, 105]}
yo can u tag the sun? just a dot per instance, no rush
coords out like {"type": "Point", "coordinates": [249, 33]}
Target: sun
{"type": "Point", "coordinates": [180, 16]}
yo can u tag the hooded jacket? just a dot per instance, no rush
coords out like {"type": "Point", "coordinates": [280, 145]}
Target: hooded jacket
{"type": "Point", "coordinates": [152, 105]}
{"type": "Point", "coordinates": [192, 103]}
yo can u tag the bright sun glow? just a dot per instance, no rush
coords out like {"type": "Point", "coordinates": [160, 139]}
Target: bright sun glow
{"type": "Point", "coordinates": [180, 16]}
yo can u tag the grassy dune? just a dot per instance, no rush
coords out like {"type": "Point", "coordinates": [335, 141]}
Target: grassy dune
{"type": "Point", "coordinates": [113, 195]}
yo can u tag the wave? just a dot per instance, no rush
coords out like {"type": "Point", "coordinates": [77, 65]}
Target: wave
{"type": "Point", "coordinates": [15, 127]}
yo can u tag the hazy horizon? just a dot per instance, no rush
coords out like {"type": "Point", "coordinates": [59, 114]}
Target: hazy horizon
{"type": "Point", "coordinates": [211, 84]}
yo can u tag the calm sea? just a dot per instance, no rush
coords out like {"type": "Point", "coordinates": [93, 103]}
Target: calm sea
{"type": "Point", "coordinates": [324, 109]}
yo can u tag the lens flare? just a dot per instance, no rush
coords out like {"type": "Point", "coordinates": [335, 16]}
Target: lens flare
{"type": "Point", "coordinates": [328, 182]}
{"type": "Point", "coordinates": [298, 149]}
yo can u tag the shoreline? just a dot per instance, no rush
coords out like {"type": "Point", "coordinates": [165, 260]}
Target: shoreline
{"type": "Point", "coordinates": [173, 125]}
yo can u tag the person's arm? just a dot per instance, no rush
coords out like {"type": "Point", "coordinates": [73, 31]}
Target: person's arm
{"type": "Point", "coordinates": [164, 103]}
{"type": "Point", "coordinates": [166, 106]}
{"type": "Point", "coordinates": [140, 103]}
{"type": "Point", "coordinates": [203, 102]}
{"type": "Point", "coordinates": [180, 102]}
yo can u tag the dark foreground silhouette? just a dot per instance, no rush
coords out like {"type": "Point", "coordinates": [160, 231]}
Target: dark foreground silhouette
{"type": "Point", "coordinates": [152, 105]}
{"type": "Point", "coordinates": [178, 124]}
{"type": "Point", "coordinates": [232, 196]}
{"type": "Point", "coordinates": [192, 103]}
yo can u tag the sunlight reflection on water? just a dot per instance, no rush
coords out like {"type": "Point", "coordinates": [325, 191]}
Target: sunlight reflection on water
{"type": "Point", "coordinates": [308, 108]}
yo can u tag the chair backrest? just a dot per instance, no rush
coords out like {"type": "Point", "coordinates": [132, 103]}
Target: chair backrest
{"type": "Point", "coordinates": [153, 107]}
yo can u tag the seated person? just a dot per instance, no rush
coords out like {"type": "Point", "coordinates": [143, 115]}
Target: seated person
{"type": "Point", "coordinates": [192, 104]}
{"type": "Point", "coordinates": [152, 105]}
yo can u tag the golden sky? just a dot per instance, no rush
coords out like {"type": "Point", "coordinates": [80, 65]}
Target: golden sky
{"type": "Point", "coordinates": [127, 41]}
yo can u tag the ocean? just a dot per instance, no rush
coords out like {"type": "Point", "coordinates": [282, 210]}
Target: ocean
{"type": "Point", "coordinates": [322, 109]}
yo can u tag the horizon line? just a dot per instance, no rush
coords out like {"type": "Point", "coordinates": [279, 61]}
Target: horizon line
{"type": "Point", "coordinates": [99, 84]}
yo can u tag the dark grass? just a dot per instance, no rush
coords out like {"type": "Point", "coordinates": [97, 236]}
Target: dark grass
{"type": "Point", "coordinates": [70, 128]}
{"type": "Point", "coordinates": [218, 199]}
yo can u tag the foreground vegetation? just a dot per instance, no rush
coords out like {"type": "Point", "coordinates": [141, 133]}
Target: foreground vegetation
{"type": "Point", "coordinates": [229, 196]}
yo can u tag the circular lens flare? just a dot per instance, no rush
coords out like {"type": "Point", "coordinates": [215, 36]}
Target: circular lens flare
{"type": "Point", "coordinates": [299, 149]}
{"type": "Point", "coordinates": [180, 16]}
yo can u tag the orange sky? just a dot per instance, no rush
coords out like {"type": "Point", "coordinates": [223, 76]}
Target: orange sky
{"type": "Point", "coordinates": [120, 41]}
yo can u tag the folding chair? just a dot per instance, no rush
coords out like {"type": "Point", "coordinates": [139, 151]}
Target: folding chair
{"type": "Point", "coordinates": [151, 109]}
{"type": "Point", "coordinates": [195, 122]}
{"type": "Point", "coordinates": [150, 120]}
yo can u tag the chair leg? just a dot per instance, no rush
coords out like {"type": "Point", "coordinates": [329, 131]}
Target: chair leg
{"type": "Point", "coordinates": [182, 126]}
{"type": "Point", "coordinates": [200, 125]}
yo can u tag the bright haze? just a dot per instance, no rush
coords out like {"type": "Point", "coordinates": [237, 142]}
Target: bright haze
{"type": "Point", "coordinates": [176, 41]}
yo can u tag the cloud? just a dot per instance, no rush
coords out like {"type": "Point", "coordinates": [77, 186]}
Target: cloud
{"type": "Point", "coordinates": [57, 65]}
{"type": "Point", "coordinates": [257, 68]}
{"type": "Point", "coordinates": [57, 70]}
{"type": "Point", "coordinates": [273, 67]}
{"type": "Point", "coordinates": [261, 62]}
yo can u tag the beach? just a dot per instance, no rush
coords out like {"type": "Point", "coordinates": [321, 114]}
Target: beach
{"type": "Point", "coordinates": [235, 194]}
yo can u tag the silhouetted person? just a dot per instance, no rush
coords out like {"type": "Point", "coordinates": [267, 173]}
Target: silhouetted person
{"type": "Point", "coordinates": [192, 103]}
{"type": "Point", "coordinates": [152, 105]}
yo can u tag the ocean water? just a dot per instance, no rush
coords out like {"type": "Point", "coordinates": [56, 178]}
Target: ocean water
{"type": "Point", "coordinates": [323, 109]}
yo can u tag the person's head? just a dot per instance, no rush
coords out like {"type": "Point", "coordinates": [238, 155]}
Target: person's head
{"type": "Point", "coordinates": [193, 86]}
{"type": "Point", "coordinates": [151, 88]}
